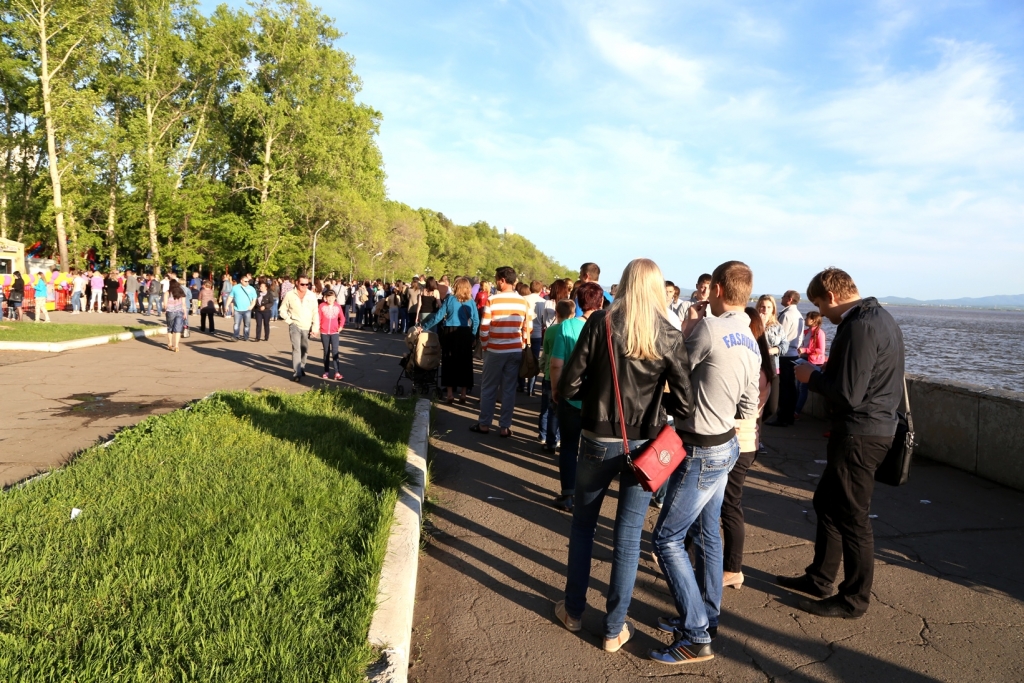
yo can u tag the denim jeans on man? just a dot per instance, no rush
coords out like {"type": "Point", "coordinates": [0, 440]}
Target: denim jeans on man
{"type": "Point", "coordinates": [694, 500]}
{"type": "Point", "coordinates": [501, 372]}
{"type": "Point", "coordinates": [156, 302]}
{"type": "Point", "coordinates": [132, 302]}
{"type": "Point", "coordinates": [243, 318]}
{"type": "Point", "coordinates": [598, 465]}
{"type": "Point", "coordinates": [76, 302]}
{"type": "Point", "coordinates": [300, 349]}
{"type": "Point", "coordinates": [547, 424]}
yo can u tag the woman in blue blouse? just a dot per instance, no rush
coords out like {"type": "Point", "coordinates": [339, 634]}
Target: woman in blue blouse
{"type": "Point", "coordinates": [461, 322]}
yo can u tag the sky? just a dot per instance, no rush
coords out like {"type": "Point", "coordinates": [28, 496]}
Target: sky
{"type": "Point", "coordinates": [884, 137]}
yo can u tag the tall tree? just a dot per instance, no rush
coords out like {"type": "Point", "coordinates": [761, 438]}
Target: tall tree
{"type": "Point", "coordinates": [57, 36]}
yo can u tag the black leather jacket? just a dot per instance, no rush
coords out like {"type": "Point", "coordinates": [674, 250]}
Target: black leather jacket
{"type": "Point", "coordinates": [587, 378]}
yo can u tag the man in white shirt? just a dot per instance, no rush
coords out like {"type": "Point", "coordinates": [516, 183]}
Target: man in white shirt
{"type": "Point", "coordinates": [792, 321]}
{"type": "Point", "coordinates": [299, 311]}
{"type": "Point", "coordinates": [77, 292]}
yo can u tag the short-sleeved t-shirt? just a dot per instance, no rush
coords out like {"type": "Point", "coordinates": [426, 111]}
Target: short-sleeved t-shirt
{"type": "Point", "coordinates": [565, 341]}
{"type": "Point", "coordinates": [243, 296]}
{"type": "Point", "coordinates": [546, 347]}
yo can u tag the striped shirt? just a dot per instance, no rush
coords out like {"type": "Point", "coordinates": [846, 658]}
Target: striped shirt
{"type": "Point", "coordinates": [505, 325]}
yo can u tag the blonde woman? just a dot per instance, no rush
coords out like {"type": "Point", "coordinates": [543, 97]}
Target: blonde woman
{"type": "Point", "coordinates": [649, 352]}
{"type": "Point", "coordinates": [777, 346]}
{"type": "Point", "coordinates": [461, 323]}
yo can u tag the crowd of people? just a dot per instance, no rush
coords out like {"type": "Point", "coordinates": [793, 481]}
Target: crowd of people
{"type": "Point", "coordinates": [711, 365]}
{"type": "Point", "coordinates": [716, 369]}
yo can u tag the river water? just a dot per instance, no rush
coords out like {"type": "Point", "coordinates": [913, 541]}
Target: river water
{"type": "Point", "coordinates": [977, 346]}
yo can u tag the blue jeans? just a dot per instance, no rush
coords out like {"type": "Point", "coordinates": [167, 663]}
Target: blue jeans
{"type": "Point", "coordinates": [598, 465]}
{"type": "Point", "coordinates": [501, 370]}
{"type": "Point", "coordinates": [156, 303]}
{"type": "Point", "coordinates": [547, 425]}
{"type": "Point", "coordinates": [132, 305]}
{"type": "Point", "coordinates": [571, 421]}
{"type": "Point", "coordinates": [694, 506]}
{"type": "Point", "coordinates": [801, 398]}
{"type": "Point", "coordinates": [76, 301]}
{"type": "Point", "coordinates": [273, 310]}
{"type": "Point", "coordinates": [243, 318]}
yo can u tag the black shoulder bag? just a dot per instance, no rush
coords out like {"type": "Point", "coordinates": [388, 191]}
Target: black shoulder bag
{"type": "Point", "coordinates": [895, 469]}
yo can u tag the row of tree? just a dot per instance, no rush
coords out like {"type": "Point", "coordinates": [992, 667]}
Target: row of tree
{"type": "Point", "coordinates": [146, 133]}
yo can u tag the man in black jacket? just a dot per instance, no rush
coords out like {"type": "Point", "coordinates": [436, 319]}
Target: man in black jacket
{"type": "Point", "coordinates": [862, 384]}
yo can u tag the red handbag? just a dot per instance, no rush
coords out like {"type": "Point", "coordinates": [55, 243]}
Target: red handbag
{"type": "Point", "coordinates": [658, 459]}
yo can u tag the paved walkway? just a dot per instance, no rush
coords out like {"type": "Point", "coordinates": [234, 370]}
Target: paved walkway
{"type": "Point", "coordinates": [55, 404]}
{"type": "Point", "coordinates": [949, 594]}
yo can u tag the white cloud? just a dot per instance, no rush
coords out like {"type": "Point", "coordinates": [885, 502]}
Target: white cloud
{"type": "Point", "coordinates": [658, 68]}
{"type": "Point", "coordinates": [954, 115]}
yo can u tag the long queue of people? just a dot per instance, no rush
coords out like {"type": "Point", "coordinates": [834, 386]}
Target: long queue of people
{"type": "Point", "coordinates": [618, 369]}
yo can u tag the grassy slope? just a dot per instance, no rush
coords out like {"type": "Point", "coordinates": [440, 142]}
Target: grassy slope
{"type": "Point", "coordinates": [57, 332]}
{"type": "Point", "coordinates": [238, 541]}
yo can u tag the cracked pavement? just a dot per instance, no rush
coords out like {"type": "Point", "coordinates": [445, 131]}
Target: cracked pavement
{"type": "Point", "coordinates": [947, 593]}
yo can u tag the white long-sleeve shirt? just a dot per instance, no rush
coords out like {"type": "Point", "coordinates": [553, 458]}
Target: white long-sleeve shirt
{"type": "Point", "coordinates": [301, 312]}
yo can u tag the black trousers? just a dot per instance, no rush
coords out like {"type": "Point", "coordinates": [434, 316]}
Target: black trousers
{"type": "Point", "coordinates": [787, 390]}
{"type": "Point", "coordinates": [842, 502]}
{"type": "Point", "coordinates": [262, 318]}
{"type": "Point", "coordinates": [733, 530]}
{"type": "Point", "coordinates": [772, 406]}
{"type": "Point", "coordinates": [207, 313]}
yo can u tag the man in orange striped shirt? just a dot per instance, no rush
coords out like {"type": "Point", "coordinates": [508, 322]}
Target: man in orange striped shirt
{"type": "Point", "coordinates": [504, 331]}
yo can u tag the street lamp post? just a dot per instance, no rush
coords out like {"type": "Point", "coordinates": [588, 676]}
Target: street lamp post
{"type": "Point", "coordinates": [375, 256]}
{"type": "Point", "coordinates": [312, 275]}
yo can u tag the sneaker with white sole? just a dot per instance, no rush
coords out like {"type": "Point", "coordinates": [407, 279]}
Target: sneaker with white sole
{"type": "Point", "coordinates": [683, 652]}
{"type": "Point", "coordinates": [613, 644]}
{"type": "Point", "coordinates": [571, 623]}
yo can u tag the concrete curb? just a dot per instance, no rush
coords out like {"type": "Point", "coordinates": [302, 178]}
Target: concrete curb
{"type": "Point", "coordinates": [57, 347]}
{"type": "Point", "coordinates": [391, 628]}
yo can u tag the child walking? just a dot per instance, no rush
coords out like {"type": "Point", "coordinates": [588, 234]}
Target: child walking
{"type": "Point", "coordinates": [332, 321]}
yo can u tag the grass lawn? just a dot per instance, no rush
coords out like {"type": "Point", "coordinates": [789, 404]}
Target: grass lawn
{"type": "Point", "coordinates": [57, 332]}
{"type": "Point", "coordinates": [239, 540]}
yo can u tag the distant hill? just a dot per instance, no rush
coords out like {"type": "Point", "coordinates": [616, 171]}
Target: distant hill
{"type": "Point", "coordinates": [998, 301]}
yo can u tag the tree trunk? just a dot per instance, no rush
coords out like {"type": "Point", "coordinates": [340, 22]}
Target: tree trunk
{"type": "Point", "coordinates": [51, 144]}
{"type": "Point", "coordinates": [7, 169]}
{"type": "Point", "coordinates": [74, 234]}
{"type": "Point", "coordinates": [112, 206]}
{"type": "Point", "coordinates": [265, 190]}
{"type": "Point", "coordinates": [154, 244]}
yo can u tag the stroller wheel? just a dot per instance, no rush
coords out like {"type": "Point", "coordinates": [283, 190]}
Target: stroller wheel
{"type": "Point", "coordinates": [399, 390]}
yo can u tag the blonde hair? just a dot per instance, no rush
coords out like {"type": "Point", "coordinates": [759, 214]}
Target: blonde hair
{"type": "Point", "coordinates": [462, 289]}
{"type": "Point", "coordinates": [772, 319]}
{"type": "Point", "coordinates": [640, 306]}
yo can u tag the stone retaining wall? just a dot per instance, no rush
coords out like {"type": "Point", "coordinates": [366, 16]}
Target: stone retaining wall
{"type": "Point", "coordinates": [973, 428]}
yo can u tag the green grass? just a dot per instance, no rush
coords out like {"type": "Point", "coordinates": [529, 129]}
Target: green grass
{"type": "Point", "coordinates": [239, 540]}
{"type": "Point", "coordinates": [57, 332]}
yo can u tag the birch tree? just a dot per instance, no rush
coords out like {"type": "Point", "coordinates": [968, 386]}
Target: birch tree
{"type": "Point", "coordinates": [58, 38]}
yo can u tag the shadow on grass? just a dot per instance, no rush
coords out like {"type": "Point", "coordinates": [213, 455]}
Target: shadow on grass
{"type": "Point", "coordinates": [356, 433]}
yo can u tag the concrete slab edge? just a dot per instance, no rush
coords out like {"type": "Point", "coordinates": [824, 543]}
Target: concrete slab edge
{"type": "Point", "coordinates": [391, 627]}
{"type": "Point", "coordinates": [57, 347]}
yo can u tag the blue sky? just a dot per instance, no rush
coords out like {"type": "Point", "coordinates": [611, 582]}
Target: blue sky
{"type": "Point", "coordinates": [882, 137]}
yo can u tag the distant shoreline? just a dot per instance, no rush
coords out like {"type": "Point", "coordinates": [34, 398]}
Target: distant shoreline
{"type": "Point", "coordinates": [1014, 309]}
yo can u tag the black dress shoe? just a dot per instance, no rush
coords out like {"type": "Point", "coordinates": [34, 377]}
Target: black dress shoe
{"type": "Point", "coordinates": [831, 608]}
{"type": "Point", "coordinates": [804, 584]}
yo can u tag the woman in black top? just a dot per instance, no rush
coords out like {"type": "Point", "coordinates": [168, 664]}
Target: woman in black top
{"type": "Point", "coordinates": [262, 309]}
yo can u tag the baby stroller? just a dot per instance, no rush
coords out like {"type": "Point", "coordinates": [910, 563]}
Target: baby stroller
{"type": "Point", "coordinates": [420, 364]}
{"type": "Point", "coordinates": [381, 317]}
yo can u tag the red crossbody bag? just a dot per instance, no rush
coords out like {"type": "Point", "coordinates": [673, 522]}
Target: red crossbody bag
{"type": "Point", "coordinates": [658, 459]}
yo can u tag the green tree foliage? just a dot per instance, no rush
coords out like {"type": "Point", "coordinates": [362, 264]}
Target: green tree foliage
{"type": "Point", "coordinates": [151, 135]}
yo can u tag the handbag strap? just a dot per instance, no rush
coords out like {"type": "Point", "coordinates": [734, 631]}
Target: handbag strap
{"type": "Point", "coordinates": [615, 383]}
{"type": "Point", "coordinates": [906, 401]}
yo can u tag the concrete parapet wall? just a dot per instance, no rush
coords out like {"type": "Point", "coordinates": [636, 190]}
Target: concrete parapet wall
{"type": "Point", "coordinates": [973, 428]}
